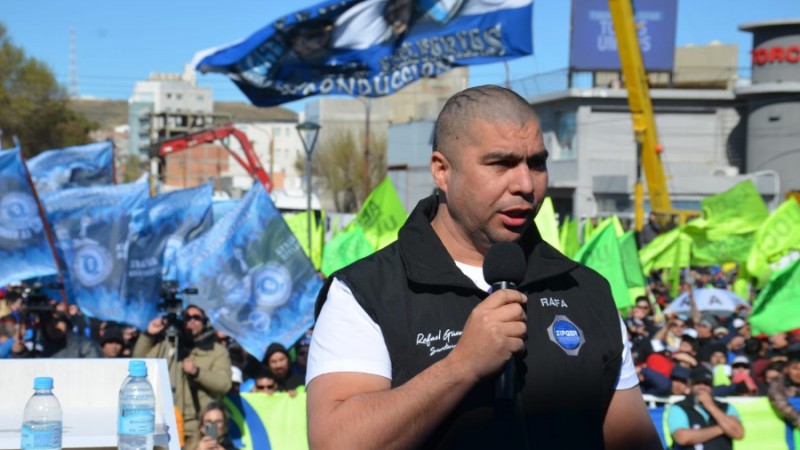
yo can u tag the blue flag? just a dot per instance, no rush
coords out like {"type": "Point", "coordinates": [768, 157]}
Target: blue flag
{"type": "Point", "coordinates": [222, 207]}
{"type": "Point", "coordinates": [254, 280]}
{"type": "Point", "coordinates": [168, 223]}
{"type": "Point", "coordinates": [92, 228]}
{"type": "Point", "coordinates": [82, 165]}
{"type": "Point", "coordinates": [370, 48]}
{"type": "Point", "coordinates": [24, 249]}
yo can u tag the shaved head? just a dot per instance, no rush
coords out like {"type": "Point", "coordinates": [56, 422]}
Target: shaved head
{"type": "Point", "coordinates": [488, 103]}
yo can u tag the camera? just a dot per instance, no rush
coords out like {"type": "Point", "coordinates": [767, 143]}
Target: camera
{"type": "Point", "coordinates": [172, 305]}
{"type": "Point", "coordinates": [33, 299]}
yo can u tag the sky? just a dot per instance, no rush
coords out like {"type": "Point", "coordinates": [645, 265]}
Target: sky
{"type": "Point", "coordinates": [122, 41]}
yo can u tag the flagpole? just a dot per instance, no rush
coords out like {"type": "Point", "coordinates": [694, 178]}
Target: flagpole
{"type": "Point", "coordinates": [48, 232]}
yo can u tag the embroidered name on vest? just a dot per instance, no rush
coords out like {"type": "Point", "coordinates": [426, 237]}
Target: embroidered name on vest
{"type": "Point", "coordinates": [555, 302]}
{"type": "Point", "coordinates": [439, 341]}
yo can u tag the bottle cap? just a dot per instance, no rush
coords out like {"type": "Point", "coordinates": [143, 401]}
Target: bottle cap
{"type": "Point", "coordinates": [43, 383]}
{"type": "Point", "coordinates": [137, 368]}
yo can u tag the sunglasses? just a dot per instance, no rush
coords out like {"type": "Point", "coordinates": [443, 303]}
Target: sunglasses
{"type": "Point", "coordinates": [196, 317]}
{"type": "Point", "coordinates": [740, 366]}
{"type": "Point", "coordinates": [702, 382]}
{"type": "Point", "coordinates": [267, 387]}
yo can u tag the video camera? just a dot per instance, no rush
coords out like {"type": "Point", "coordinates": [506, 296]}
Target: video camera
{"type": "Point", "coordinates": [172, 305]}
{"type": "Point", "coordinates": [33, 299]}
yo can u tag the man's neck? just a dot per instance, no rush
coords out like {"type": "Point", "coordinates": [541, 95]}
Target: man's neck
{"type": "Point", "coordinates": [458, 244]}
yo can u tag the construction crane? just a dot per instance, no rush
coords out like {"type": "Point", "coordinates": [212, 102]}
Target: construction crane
{"type": "Point", "coordinates": [648, 149]}
{"type": "Point", "coordinates": [251, 163]}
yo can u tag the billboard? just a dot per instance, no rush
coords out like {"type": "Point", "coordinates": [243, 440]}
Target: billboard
{"type": "Point", "coordinates": [593, 44]}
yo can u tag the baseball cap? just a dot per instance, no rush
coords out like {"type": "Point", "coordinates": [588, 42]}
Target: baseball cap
{"type": "Point", "coordinates": [680, 373]}
{"type": "Point", "coordinates": [702, 374]}
{"type": "Point", "coordinates": [690, 332]}
{"type": "Point", "coordinates": [741, 359]}
{"type": "Point", "coordinates": [738, 323]}
{"type": "Point", "coordinates": [720, 331]}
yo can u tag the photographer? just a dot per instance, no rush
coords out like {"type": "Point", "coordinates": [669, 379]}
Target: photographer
{"type": "Point", "coordinates": [214, 431]}
{"type": "Point", "coordinates": [200, 368]}
{"type": "Point", "coordinates": [56, 341]}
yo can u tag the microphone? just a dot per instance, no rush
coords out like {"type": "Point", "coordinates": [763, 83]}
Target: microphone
{"type": "Point", "coordinates": [504, 268]}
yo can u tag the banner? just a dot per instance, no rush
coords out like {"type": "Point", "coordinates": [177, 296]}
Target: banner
{"type": "Point", "coordinates": [593, 43]}
{"type": "Point", "coordinates": [79, 166]}
{"type": "Point", "coordinates": [260, 421]}
{"type": "Point", "coordinates": [381, 216]}
{"type": "Point", "coordinates": [254, 280]}
{"type": "Point", "coordinates": [370, 48]}
{"type": "Point", "coordinates": [24, 249]}
{"type": "Point", "coordinates": [92, 228]}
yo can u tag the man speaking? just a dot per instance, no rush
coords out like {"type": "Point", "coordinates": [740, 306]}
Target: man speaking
{"type": "Point", "coordinates": [409, 347]}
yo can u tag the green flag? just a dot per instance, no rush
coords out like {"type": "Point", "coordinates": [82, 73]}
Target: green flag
{"type": "Point", "coordinates": [298, 223]}
{"type": "Point", "coordinates": [568, 237]}
{"type": "Point", "coordinates": [588, 231]}
{"type": "Point", "coordinates": [634, 275]}
{"type": "Point", "coordinates": [382, 215]}
{"type": "Point", "coordinates": [602, 253]}
{"type": "Point", "coordinates": [706, 252]}
{"type": "Point", "coordinates": [347, 247]}
{"type": "Point", "coordinates": [547, 224]}
{"type": "Point", "coordinates": [777, 307]}
{"type": "Point", "coordinates": [739, 210]}
{"type": "Point", "coordinates": [669, 250]}
{"type": "Point", "coordinates": [779, 234]}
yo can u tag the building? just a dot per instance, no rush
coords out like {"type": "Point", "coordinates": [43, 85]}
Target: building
{"type": "Point", "coordinates": [772, 114]}
{"type": "Point", "coordinates": [589, 134]}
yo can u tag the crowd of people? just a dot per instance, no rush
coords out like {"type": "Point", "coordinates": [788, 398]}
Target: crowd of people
{"type": "Point", "coordinates": [204, 364]}
{"type": "Point", "coordinates": [673, 353]}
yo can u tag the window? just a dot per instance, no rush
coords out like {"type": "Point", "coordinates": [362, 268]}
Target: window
{"type": "Point", "coordinates": [565, 133]}
{"type": "Point", "coordinates": [200, 98]}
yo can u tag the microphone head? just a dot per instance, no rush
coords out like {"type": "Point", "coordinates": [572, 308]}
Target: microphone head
{"type": "Point", "coordinates": [505, 261]}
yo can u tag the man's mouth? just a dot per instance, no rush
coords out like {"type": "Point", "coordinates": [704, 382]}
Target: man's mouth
{"type": "Point", "coordinates": [516, 217]}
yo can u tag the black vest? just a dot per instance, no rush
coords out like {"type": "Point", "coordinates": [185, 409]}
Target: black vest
{"type": "Point", "coordinates": [697, 421]}
{"type": "Point", "coordinates": [421, 300]}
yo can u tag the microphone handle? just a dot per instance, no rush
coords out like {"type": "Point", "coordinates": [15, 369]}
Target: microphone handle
{"type": "Point", "coordinates": [504, 389]}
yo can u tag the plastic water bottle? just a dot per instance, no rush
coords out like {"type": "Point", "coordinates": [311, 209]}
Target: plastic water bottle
{"type": "Point", "coordinates": [137, 410]}
{"type": "Point", "coordinates": [41, 422]}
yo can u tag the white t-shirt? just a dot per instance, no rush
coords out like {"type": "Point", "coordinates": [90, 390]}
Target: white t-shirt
{"type": "Point", "coordinates": [346, 339]}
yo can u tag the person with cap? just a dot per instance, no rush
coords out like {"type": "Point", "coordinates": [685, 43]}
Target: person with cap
{"type": "Point", "coordinates": [112, 342]}
{"type": "Point", "coordinates": [699, 419]}
{"type": "Point", "coordinates": [741, 375]}
{"type": "Point", "coordinates": [679, 380]}
{"type": "Point", "coordinates": [57, 340]}
{"type": "Point", "coordinates": [277, 362]}
{"type": "Point", "coordinates": [199, 367]}
{"type": "Point", "coordinates": [742, 328]}
{"type": "Point", "coordinates": [785, 386]}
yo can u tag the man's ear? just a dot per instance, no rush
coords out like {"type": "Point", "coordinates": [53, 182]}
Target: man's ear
{"type": "Point", "coordinates": [440, 170]}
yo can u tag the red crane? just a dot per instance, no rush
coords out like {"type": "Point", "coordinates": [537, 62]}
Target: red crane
{"type": "Point", "coordinates": [252, 164]}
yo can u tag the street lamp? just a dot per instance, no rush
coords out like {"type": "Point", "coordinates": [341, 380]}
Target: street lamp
{"type": "Point", "coordinates": [308, 132]}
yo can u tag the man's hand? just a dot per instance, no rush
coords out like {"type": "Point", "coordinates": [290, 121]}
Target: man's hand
{"type": "Point", "coordinates": [207, 443]}
{"type": "Point", "coordinates": [493, 333]}
{"type": "Point", "coordinates": [705, 399]}
{"type": "Point", "coordinates": [156, 326]}
{"type": "Point", "coordinates": [189, 366]}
